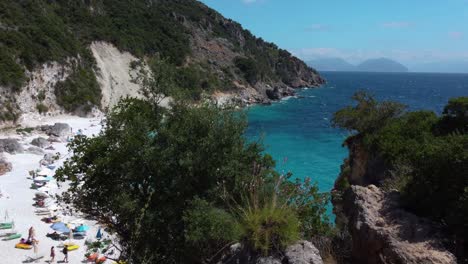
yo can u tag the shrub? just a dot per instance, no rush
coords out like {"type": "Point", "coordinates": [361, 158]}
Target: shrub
{"type": "Point", "coordinates": [79, 89]}
{"type": "Point", "coordinates": [249, 69]}
{"type": "Point", "coordinates": [42, 108]}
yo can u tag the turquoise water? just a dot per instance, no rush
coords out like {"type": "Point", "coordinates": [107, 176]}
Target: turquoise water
{"type": "Point", "coordinates": [297, 131]}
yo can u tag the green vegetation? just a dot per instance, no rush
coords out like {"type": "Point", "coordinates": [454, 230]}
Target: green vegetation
{"type": "Point", "coordinates": [248, 67]}
{"type": "Point", "coordinates": [426, 155]}
{"type": "Point", "coordinates": [79, 91]}
{"type": "Point", "coordinates": [180, 185]}
{"type": "Point", "coordinates": [42, 108]}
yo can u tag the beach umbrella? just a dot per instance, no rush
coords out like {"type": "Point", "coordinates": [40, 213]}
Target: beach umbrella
{"type": "Point", "coordinates": [82, 228]}
{"type": "Point", "coordinates": [60, 227]}
{"type": "Point", "coordinates": [99, 234]}
{"type": "Point", "coordinates": [41, 179]}
{"type": "Point", "coordinates": [45, 172]}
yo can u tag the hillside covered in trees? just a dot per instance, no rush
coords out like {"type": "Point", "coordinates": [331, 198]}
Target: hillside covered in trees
{"type": "Point", "coordinates": [204, 51]}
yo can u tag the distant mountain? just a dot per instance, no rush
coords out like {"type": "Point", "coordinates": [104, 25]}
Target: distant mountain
{"type": "Point", "coordinates": [381, 65]}
{"type": "Point", "coordinates": [371, 65]}
{"type": "Point", "coordinates": [331, 64]}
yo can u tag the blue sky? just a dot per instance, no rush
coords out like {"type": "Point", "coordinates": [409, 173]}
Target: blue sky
{"type": "Point", "coordinates": [410, 31]}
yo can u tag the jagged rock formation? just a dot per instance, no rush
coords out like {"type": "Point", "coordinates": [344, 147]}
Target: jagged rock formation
{"type": "Point", "coordinates": [382, 232]}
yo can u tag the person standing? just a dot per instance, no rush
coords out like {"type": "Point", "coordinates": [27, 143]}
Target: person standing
{"type": "Point", "coordinates": [65, 252]}
{"type": "Point", "coordinates": [52, 255]}
{"type": "Point", "coordinates": [31, 234]}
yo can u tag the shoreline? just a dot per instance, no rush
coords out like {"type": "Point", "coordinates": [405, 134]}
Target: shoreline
{"type": "Point", "coordinates": [18, 204]}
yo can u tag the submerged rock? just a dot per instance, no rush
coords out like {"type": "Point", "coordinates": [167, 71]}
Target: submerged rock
{"type": "Point", "coordinates": [10, 145]}
{"type": "Point", "coordinates": [382, 232]}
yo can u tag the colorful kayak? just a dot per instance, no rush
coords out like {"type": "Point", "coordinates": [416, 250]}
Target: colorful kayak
{"type": "Point", "coordinates": [12, 236]}
{"type": "Point", "coordinates": [23, 246]}
{"type": "Point", "coordinates": [72, 247]}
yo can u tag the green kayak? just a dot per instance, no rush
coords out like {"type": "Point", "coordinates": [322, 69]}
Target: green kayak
{"type": "Point", "coordinates": [6, 225]}
{"type": "Point", "coordinates": [11, 237]}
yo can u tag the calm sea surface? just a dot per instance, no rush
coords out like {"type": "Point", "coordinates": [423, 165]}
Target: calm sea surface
{"type": "Point", "coordinates": [297, 131]}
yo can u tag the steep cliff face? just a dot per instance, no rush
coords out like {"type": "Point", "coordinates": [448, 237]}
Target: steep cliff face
{"type": "Point", "coordinates": [380, 230]}
{"type": "Point", "coordinates": [82, 47]}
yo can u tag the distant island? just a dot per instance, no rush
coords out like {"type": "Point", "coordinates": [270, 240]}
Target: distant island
{"type": "Point", "coordinates": [370, 65]}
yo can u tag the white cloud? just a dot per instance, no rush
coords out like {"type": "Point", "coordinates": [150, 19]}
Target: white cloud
{"type": "Point", "coordinates": [397, 24]}
{"type": "Point", "coordinates": [318, 27]}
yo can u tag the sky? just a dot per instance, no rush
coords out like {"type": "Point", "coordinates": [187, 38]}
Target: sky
{"type": "Point", "coordinates": [410, 31]}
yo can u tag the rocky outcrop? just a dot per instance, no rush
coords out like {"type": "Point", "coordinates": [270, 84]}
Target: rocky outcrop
{"type": "Point", "coordinates": [382, 232]}
{"type": "Point", "coordinates": [40, 142]}
{"type": "Point", "coordinates": [364, 167]}
{"type": "Point", "coordinates": [5, 166]}
{"type": "Point", "coordinates": [10, 145]}
{"type": "Point", "coordinates": [48, 159]}
{"type": "Point", "coordinates": [302, 252]}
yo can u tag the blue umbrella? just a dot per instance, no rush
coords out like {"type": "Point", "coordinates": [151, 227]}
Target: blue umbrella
{"type": "Point", "coordinates": [99, 234]}
{"type": "Point", "coordinates": [82, 228]}
{"type": "Point", "coordinates": [60, 227]}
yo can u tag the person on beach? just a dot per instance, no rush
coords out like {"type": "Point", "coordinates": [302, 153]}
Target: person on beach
{"type": "Point", "coordinates": [65, 252]}
{"type": "Point", "coordinates": [31, 233]}
{"type": "Point", "coordinates": [52, 255]}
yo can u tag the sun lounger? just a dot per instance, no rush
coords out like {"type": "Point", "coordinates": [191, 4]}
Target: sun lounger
{"type": "Point", "coordinates": [12, 236]}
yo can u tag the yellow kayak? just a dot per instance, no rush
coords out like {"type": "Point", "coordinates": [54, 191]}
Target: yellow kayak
{"type": "Point", "coordinates": [23, 246]}
{"type": "Point", "coordinates": [72, 247]}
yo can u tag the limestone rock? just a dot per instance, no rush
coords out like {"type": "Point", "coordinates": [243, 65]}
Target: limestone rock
{"type": "Point", "coordinates": [5, 166]}
{"type": "Point", "coordinates": [48, 159]}
{"type": "Point", "coordinates": [35, 150]}
{"type": "Point", "coordinates": [382, 232]}
{"type": "Point", "coordinates": [303, 252]}
{"type": "Point", "coordinates": [10, 145]}
{"type": "Point", "coordinates": [60, 130]}
{"type": "Point", "coordinates": [40, 142]}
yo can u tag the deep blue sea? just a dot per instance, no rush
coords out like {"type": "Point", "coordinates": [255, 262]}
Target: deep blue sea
{"type": "Point", "coordinates": [297, 131]}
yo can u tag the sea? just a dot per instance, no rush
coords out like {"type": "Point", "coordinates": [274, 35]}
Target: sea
{"type": "Point", "coordinates": [297, 131]}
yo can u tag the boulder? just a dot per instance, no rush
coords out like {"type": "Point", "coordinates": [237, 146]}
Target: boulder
{"type": "Point", "coordinates": [60, 130]}
{"type": "Point", "coordinates": [273, 94]}
{"type": "Point", "coordinates": [10, 145]}
{"type": "Point", "coordinates": [5, 166]}
{"type": "Point", "coordinates": [268, 260]}
{"type": "Point", "coordinates": [40, 142]}
{"type": "Point", "coordinates": [303, 252]}
{"type": "Point", "coordinates": [35, 150]}
{"type": "Point", "coordinates": [54, 139]}
{"type": "Point", "coordinates": [382, 232]}
{"type": "Point", "coordinates": [48, 159]}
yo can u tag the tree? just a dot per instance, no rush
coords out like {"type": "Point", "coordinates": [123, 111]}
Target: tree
{"type": "Point", "coordinates": [368, 115]}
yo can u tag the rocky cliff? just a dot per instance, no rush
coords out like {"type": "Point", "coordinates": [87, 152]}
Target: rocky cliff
{"type": "Point", "coordinates": [380, 230]}
{"type": "Point", "coordinates": [72, 56]}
